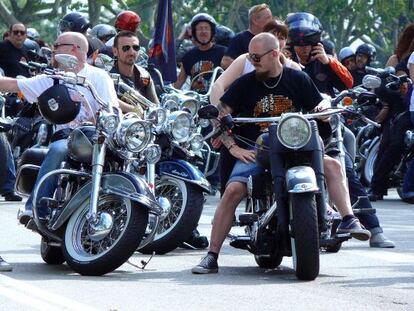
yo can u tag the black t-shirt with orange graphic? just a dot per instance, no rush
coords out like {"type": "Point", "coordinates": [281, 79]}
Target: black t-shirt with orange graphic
{"type": "Point", "coordinates": [249, 97]}
{"type": "Point", "coordinates": [196, 61]}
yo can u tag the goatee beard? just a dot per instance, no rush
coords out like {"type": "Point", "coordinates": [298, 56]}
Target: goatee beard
{"type": "Point", "coordinates": [262, 76]}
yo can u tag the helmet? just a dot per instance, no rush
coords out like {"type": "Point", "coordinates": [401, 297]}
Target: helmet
{"type": "Point", "coordinates": [74, 22]}
{"type": "Point", "coordinates": [31, 45]}
{"type": "Point", "coordinates": [304, 29]}
{"type": "Point", "coordinates": [103, 32]}
{"type": "Point", "coordinates": [57, 106]}
{"type": "Point", "coordinates": [32, 34]}
{"type": "Point", "coordinates": [127, 20]}
{"type": "Point", "coordinates": [328, 46]}
{"type": "Point", "coordinates": [368, 50]}
{"type": "Point", "coordinates": [345, 53]}
{"type": "Point", "coordinates": [203, 17]}
{"type": "Point", "coordinates": [223, 35]}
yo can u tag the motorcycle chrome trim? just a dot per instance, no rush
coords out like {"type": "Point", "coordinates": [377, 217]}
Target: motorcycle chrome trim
{"type": "Point", "coordinates": [98, 161]}
{"type": "Point", "coordinates": [204, 183]}
{"type": "Point", "coordinates": [265, 219]}
{"type": "Point", "coordinates": [18, 174]}
{"type": "Point", "coordinates": [292, 129]}
{"type": "Point", "coordinates": [123, 184]}
{"type": "Point", "coordinates": [300, 179]}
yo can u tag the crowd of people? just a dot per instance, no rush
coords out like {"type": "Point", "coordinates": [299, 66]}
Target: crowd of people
{"type": "Point", "coordinates": [286, 61]}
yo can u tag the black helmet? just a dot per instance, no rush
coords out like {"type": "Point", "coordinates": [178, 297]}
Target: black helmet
{"type": "Point", "coordinates": [328, 46]}
{"type": "Point", "coordinates": [74, 22]}
{"type": "Point", "coordinates": [203, 17]}
{"type": "Point", "coordinates": [103, 32]}
{"type": "Point", "coordinates": [31, 45]}
{"type": "Point", "coordinates": [368, 50]}
{"type": "Point", "coordinates": [304, 29]}
{"type": "Point", "coordinates": [223, 35]}
{"type": "Point", "coordinates": [57, 105]}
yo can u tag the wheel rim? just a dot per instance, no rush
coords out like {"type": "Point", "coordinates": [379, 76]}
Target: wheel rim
{"type": "Point", "coordinates": [369, 165]}
{"type": "Point", "coordinates": [176, 193]}
{"type": "Point", "coordinates": [77, 240]}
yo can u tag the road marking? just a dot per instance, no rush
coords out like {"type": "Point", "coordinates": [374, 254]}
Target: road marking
{"type": "Point", "coordinates": [37, 298]}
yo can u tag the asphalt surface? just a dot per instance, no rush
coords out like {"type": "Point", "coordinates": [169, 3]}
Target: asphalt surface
{"type": "Point", "coordinates": [356, 278]}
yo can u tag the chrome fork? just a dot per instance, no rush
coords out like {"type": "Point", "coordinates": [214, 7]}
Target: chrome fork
{"type": "Point", "coordinates": [98, 160]}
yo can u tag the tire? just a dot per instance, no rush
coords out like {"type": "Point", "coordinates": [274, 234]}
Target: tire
{"type": "Point", "coordinates": [187, 203]}
{"type": "Point", "coordinates": [305, 239]}
{"type": "Point", "coordinates": [368, 170]}
{"type": "Point", "coordinates": [119, 244]}
{"type": "Point", "coordinates": [268, 262]}
{"type": "Point", "coordinates": [3, 158]}
{"type": "Point", "coordinates": [50, 254]}
{"type": "Point", "coordinates": [406, 200]}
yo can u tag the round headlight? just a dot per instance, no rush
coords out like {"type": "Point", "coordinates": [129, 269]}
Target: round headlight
{"type": "Point", "coordinates": [179, 124]}
{"type": "Point", "coordinates": [171, 105]}
{"type": "Point", "coordinates": [157, 116]}
{"type": "Point", "coordinates": [152, 153]}
{"type": "Point", "coordinates": [192, 105]}
{"type": "Point", "coordinates": [134, 134]}
{"type": "Point", "coordinates": [108, 122]}
{"type": "Point", "coordinates": [196, 142]}
{"type": "Point", "coordinates": [294, 131]}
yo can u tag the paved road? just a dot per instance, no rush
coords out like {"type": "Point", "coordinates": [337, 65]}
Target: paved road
{"type": "Point", "coordinates": [356, 278]}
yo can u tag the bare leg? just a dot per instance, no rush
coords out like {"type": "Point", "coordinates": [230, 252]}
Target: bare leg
{"type": "Point", "coordinates": [337, 186]}
{"type": "Point", "coordinates": [223, 217]}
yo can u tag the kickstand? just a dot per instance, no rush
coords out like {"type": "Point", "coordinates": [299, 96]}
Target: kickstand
{"type": "Point", "coordinates": [189, 246]}
{"type": "Point", "coordinates": [143, 263]}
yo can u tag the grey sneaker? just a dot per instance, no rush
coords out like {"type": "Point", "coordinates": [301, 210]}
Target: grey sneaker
{"type": "Point", "coordinates": [207, 265]}
{"type": "Point", "coordinates": [353, 227]}
{"type": "Point", "coordinates": [5, 266]}
{"type": "Point", "coordinates": [379, 240]}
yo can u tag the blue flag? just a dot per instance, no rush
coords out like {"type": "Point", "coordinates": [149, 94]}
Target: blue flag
{"type": "Point", "coordinates": [162, 52]}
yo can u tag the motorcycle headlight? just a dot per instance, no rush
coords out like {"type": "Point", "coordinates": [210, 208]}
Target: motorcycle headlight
{"type": "Point", "coordinates": [196, 142]}
{"type": "Point", "coordinates": [171, 105]}
{"type": "Point", "coordinates": [134, 134]}
{"type": "Point", "coordinates": [108, 122]}
{"type": "Point", "coordinates": [157, 114]}
{"type": "Point", "coordinates": [192, 105]}
{"type": "Point", "coordinates": [179, 124]}
{"type": "Point", "coordinates": [294, 131]}
{"type": "Point", "coordinates": [152, 153]}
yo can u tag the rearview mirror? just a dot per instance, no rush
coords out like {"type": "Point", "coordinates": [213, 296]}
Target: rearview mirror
{"type": "Point", "coordinates": [371, 82]}
{"type": "Point", "coordinates": [66, 61]}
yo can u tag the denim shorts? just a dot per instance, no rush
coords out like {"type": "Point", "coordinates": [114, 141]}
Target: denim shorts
{"type": "Point", "coordinates": [241, 171]}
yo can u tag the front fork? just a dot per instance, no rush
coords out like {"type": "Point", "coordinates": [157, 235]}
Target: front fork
{"type": "Point", "coordinates": [98, 161]}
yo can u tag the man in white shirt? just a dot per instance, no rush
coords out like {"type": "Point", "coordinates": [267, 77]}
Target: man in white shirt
{"type": "Point", "coordinates": [74, 44]}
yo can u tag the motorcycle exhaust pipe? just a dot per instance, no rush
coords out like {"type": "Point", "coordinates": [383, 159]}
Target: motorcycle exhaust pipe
{"type": "Point", "coordinates": [264, 221]}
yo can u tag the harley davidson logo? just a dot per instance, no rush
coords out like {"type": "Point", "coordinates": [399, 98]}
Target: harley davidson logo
{"type": "Point", "coordinates": [272, 106]}
{"type": "Point", "coordinates": [53, 104]}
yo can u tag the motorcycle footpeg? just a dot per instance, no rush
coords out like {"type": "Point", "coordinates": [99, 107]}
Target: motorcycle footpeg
{"type": "Point", "coordinates": [240, 241]}
{"type": "Point", "coordinates": [247, 219]}
{"type": "Point", "coordinates": [49, 202]}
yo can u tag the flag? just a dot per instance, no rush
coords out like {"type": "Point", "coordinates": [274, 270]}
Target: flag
{"type": "Point", "coordinates": [162, 51]}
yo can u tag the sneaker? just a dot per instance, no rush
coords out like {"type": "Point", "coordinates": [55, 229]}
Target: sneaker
{"type": "Point", "coordinates": [5, 266]}
{"type": "Point", "coordinates": [379, 240]}
{"type": "Point", "coordinates": [207, 265]}
{"type": "Point", "coordinates": [353, 227]}
{"type": "Point", "coordinates": [12, 197]}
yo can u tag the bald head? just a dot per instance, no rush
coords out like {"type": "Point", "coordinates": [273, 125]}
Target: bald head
{"type": "Point", "coordinates": [266, 40]}
{"type": "Point", "coordinates": [72, 43]}
{"type": "Point", "coordinates": [76, 38]}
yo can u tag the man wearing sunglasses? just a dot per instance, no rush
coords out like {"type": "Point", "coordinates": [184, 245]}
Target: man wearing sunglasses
{"type": "Point", "coordinates": [268, 91]}
{"type": "Point", "coordinates": [76, 44]}
{"type": "Point", "coordinates": [12, 52]}
{"type": "Point", "coordinates": [126, 50]}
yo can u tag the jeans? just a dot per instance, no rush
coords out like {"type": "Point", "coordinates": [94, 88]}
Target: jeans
{"type": "Point", "coordinates": [8, 185]}
{"type": "Point", "coordinates": [356, 190]}
{"type": "Point", "coordinates": [57, 154]}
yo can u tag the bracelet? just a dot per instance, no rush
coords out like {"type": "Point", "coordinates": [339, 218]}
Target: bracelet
{"type": "Point", "coordinates": [231, 146]}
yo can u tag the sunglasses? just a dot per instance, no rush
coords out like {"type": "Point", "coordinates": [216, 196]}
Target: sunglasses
{"type": "Point", "coordinates": [19, 32]}
{"type": "Point", "coordinates": [56, 45]}
{"type": "Point", "coordinates": [126, 48]}
{"type": "Point", "coordinates": [257, 57]}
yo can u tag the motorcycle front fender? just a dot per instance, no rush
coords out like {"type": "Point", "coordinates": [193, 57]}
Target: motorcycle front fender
{"type": "Point", "coordinates": [300, 179]}
{"type": "Point", "coordinates": [120, 183]}
{"type": "Point", "coordinates": [183, 170]}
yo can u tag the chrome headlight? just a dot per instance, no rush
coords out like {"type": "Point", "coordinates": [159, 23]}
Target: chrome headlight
{"type": "Point", "coordinates": [179, 124]}
{"type": "Point", "coordinates": [294, 131]}
{"type": "Point", "coordinates": [134, 134]}
{"type": "Point", "coordinates": [171, 105]}
{"type": "Point", "coordinates": [192, 105]}
{"type": "Point", "coordinates": [196, 142]}
{"type": "Point", "coordinates": [108, 122]}
{"type": "Point", "coordinates": [157, 114]}
{"type": "Point", "coordinates": [152, 153]}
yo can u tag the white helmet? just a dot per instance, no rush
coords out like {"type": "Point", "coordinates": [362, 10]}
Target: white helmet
{"type": "Point", "coordinates": [345, 52]}
{"type": "Point", "coordinates": [32, 34]}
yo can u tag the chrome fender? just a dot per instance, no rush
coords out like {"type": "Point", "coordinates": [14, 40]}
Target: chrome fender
{"type": "Point", "coordinates": [300, 179]}
{"type": "Point", "coordinates": [123, 184]}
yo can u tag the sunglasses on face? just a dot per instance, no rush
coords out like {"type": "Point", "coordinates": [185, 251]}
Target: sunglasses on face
{"type": "Point", "coordinates": [257, 57]}
{"type": "Point", "coordinates": [126, 48]}
{"type": "Point", "coordinates": [19, 32]}
{"type": "Point", "coordinates": [57, 44]}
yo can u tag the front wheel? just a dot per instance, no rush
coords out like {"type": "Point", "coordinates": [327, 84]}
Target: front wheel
{"type": "Point", "coordinates": [368, 170]}
{"type": "Point", "coordinates": [185, 206]}
{"type": "Point", "coordinates": [99, 248]}
{"type": "Point", "coordinates": [305, 235]}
